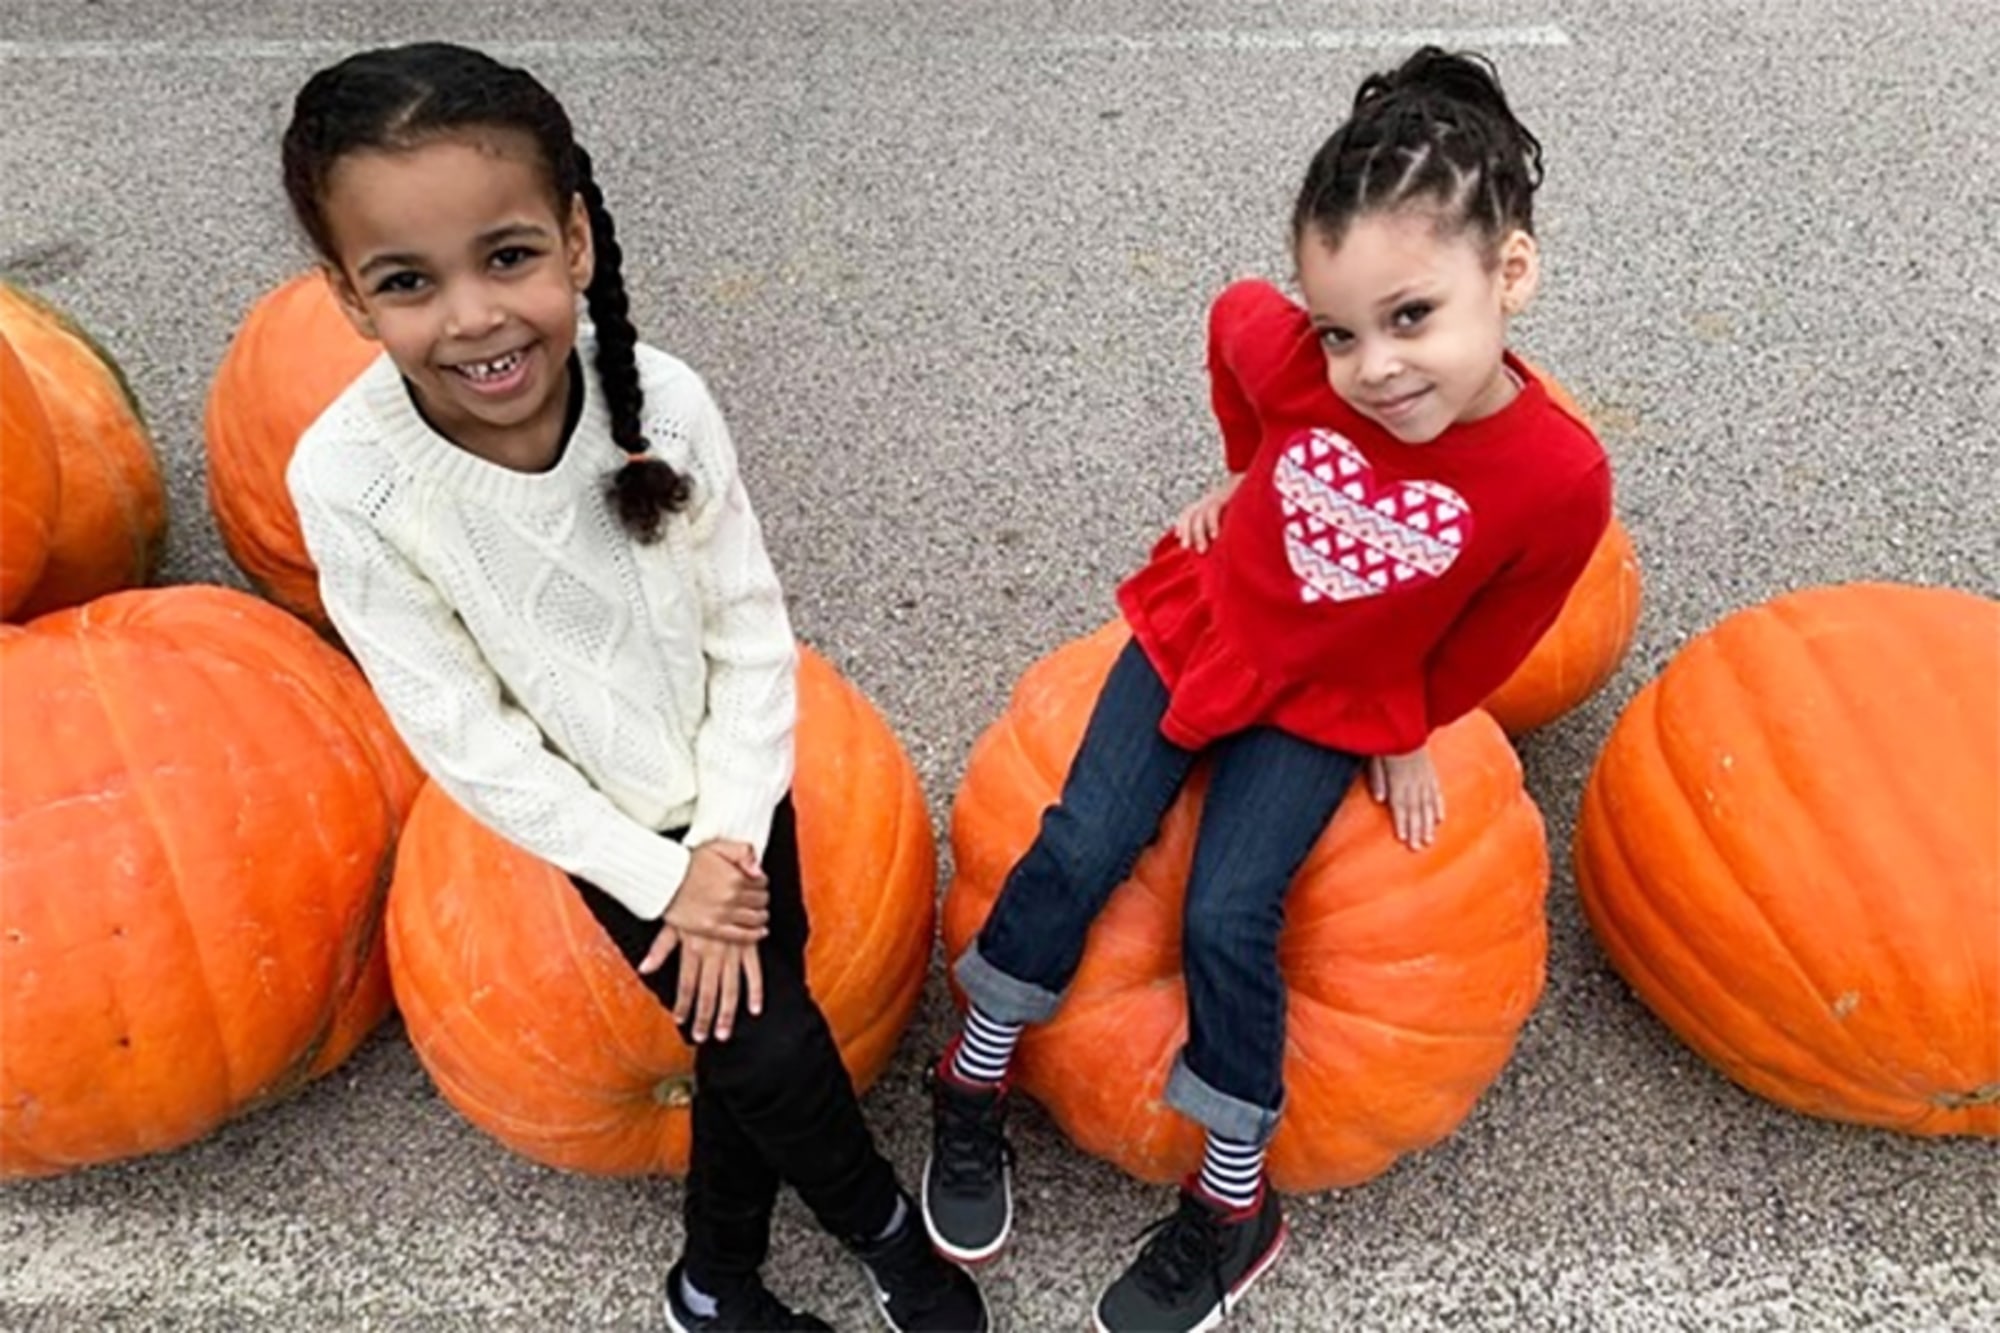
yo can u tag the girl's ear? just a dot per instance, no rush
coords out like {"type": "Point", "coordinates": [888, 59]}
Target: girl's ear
{"type": "Point", "coordinates": [1520, 270]}
{"type": "Point", "coordinates": [582, 258]}
{"type": "Point", "coordinates": [349, 301]}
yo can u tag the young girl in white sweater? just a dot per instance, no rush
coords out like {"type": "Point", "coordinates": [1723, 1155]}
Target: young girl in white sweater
{"type": "Point", "coordinates": [532, 535]}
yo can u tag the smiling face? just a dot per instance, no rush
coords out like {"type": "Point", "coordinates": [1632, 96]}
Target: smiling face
{"type": "Point", "coordinates": [1413, 321]}
{"type": "Point", "coordinates": [454, 256]}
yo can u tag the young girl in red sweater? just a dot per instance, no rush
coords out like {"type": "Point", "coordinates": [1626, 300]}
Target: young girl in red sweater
{"type": "Point", "coordinates": [1405, 512]}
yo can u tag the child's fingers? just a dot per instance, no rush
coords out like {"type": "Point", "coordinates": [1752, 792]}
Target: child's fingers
{"type": "Point", "coordinates": [684, 993]}
{"type": "Point", "coordinates": [707, 997]}
{"type": "Point", "coordinates": [725, 1005]}
{"type": "Point", "coordinates": [656, 957]}
{"type": "Point", "coordinates": [753, 979]}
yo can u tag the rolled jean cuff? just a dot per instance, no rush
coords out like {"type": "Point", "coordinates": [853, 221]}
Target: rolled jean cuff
{"type": "Point", "coordinates": [1000, 996]}
{"type": "Point", "coordinates": [1216, 1111]}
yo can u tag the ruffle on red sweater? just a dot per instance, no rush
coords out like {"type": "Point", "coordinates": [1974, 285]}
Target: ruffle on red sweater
{"type": "Point", "coordinates": [1215, 689]}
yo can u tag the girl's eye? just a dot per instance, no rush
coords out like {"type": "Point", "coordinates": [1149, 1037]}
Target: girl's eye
{"type": "Point", "coordinates": [512, 256]}
{"type": "Point", "coordinates": [1411, 315]}
{"type": "Point", "coordinates": [399, 283]}
{"type": "Point", "coordinates": [1335, 339]}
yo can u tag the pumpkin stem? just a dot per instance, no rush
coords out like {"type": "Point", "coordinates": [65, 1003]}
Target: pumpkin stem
{"type": "Point", "coordinates": [677, 1090]}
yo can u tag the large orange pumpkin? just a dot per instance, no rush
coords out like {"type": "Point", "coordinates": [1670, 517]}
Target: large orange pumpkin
{"type": "Point", "coordinates": [198, 799]}
{"type": "Point", "coordinates": [539, 1032]}
{"type": "Point", "coordinates": [289, 360]}
{"type": "Point", "coordinates": [1409, 974]}
{"type": "Point", "coordinates": [1790, 848]}
{"type": "Point", "coordinates": [30, 482]}
{"type": "Point", "coordinates": [112, 518]}
{"type": "Point", "coordinates": [1592, 633]}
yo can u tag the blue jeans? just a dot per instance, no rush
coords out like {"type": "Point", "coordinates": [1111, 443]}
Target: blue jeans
{"type": "Point", "coordinates": [1270, 796]}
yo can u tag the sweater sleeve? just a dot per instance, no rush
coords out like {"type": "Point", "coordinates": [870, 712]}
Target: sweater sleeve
{"type": "Point", "coordinates": [448, 706]}
{"type": "Point", "coordinates": [1507, 618]}
{"type": "Point", "coordinates": [743, 748]}
{"type": "Point", "coordinates": [1235, 413]}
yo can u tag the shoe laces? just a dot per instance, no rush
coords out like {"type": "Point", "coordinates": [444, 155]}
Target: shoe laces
{"type": "Point", "coordinates": [971, 1145]}
{"type": "Point", "coordinates": [1181, 1249]}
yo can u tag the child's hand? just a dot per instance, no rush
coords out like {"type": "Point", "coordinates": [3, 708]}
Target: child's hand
{"type": "Point", "coordinates": [739, 854]}
{"type": "Point", "coordinates": [714, 977]}
{"type": "Point", "coordinates": [1200, 521]}
{"type": "Point", "coordinates": [1409, 785]}
{"type": "Point", "coordinates": [719, 900]}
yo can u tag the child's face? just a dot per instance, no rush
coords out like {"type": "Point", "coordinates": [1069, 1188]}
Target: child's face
{"type": "Point", "coordinates": [1413, 323]}
{"type": "Point", "coordinates": [455, 258]}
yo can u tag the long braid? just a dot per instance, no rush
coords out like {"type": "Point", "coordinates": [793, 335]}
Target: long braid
{"type": "Point", "coordinates": [645, 489]}
{"type": "Point", "coordinates": [1437, 130]}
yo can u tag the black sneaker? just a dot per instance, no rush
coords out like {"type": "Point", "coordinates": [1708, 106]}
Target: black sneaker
{"type": "Point", "coordinates": [1197, 1263]}
{"type": "Point", "coordinates": [968, 1178]}
{"type": "Point", "coordinates": [748, 1309]}
{"type": "Point", "coordinates": [917, 1291]}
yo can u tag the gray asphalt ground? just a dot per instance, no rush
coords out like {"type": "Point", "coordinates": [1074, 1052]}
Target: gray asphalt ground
{"type": "Point", "coordinates": [945, 266]}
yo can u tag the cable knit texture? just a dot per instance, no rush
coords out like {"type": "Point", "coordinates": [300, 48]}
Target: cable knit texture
{"type": "Point", "coordinates": [576, 690]}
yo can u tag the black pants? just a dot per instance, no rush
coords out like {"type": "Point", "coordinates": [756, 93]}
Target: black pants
{"type": "Point", "coordinates": [773, 1104]}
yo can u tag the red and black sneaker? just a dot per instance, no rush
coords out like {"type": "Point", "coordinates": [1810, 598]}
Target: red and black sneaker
{"type": "Point", "coordinates": [967, 1187]}
{"type": "Point", "coordinates": [1195, 1265]}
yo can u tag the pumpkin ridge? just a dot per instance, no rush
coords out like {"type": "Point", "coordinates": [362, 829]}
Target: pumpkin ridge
{"type": "Point", "coordinates": [577, 946]}
{"type": "Point", "coordinates": [1629, 959]}
{"type": "Point", "coordinates": [1850, 853]}
{"type": "Point", "coordinates": [1911, 812]}
{"type": "Point", "coordinates": [1705, 1037]}
{"type": "Point", "coordinates": [1718, 973]}
{"type": "Point", "coordinates": [88, 648]}
{"type": "Point", "coordinates": [453, 1019]}
{"type": "Point", "coordinates": [1355, 1017]}
{"type": "Point", "coordinates": [1986, 1094]}
{"type": "Point", "coordinates": [1687, 781]}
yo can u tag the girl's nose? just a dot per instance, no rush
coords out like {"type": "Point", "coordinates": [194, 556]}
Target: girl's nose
{"type": "Point", "coordinates": [1379, 363]}
{"type": "Point", "coordinates": [471, 311]}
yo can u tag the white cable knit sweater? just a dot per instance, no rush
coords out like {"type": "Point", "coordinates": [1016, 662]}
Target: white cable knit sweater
{"type": "Point", "coordinates": [575, 690]}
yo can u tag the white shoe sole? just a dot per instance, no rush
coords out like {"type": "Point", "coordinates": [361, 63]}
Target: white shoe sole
{"type": "Point", "coordinates": [957, 1253]}
{"type": "Point", "coordinates": [1233, 1295]}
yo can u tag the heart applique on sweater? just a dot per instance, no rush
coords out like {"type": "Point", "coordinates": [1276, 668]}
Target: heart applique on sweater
{"type": "Point", "coordinates": [1349, 534]}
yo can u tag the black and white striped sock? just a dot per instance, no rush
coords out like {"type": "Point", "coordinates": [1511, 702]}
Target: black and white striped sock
{"type": "Point", "coordinates": [984, 1048]}
{"type": "Point", "coordinates": [1231, 1170]}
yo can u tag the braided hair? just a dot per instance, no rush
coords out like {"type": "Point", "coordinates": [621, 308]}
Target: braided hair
{"type": "Point", "coordinates": [1436, 133]}
{"type": "Point", "coordinates": [398, 98]}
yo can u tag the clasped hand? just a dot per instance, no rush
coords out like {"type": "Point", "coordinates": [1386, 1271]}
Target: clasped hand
{"type": "Point", "coordinates": [722, 909]}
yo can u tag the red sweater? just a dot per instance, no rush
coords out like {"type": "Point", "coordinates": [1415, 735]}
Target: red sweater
{"type": "Point", "coordinates": [1361, 592]}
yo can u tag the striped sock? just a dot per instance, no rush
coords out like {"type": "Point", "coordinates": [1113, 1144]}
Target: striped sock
{"type": "Point", "coordinates": [984, 1048]}
{"type": "Point", "coordinates": [1231, 1171]}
